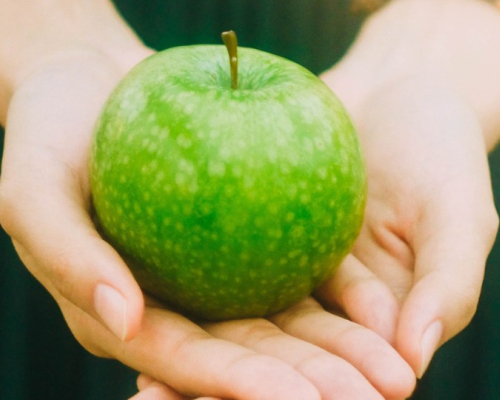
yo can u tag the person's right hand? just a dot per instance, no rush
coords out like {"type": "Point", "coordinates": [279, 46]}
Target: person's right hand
{"type": "Point", "coordinates": [303, 353]}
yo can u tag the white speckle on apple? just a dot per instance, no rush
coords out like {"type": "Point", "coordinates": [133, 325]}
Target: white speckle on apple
{"type": "Point", "coordinates": [189, 108]}
{"type": "Point", "coordinates": [133, 103]}
{"type": "Point", "coordinates": [292, 191]}
{"type": "Point", "coordinates": [259, 222]}
{"type": "Point", "coordinates": [213, 134]}
{"type": "Point", "coordinates": [281, 138]}
{"type": "Point", "coordinates": [294, 158]}
{"type": "Point", "coordinates": [322, 172]}
{"type": "Point", "coordinates": [273, 208]}
{"type": "Point", "coordinates": [285, 168]}
{"type": "Point", "coordinates": [297, 232]}
{"type": "Point", "coordinates": [275, 233]}
{"type": "Point", "coordinates": [248, 182]}
{"type": "Point", "coordinates": [304, 261]}
{"type": "Point", "coordinates": [237, 172]}
{"type": "Point", "coordinates": [179, 227]}
{"type": "Point", "coordinates": [272, 154]}
{"type": "Point", "coordinates": [307, 144]}
{"type": "Point", "coordinates": [187, 167]}
{"type": "Point", "coordinates": [305, 198]}
{"type": "Point", "coordinates": [153, 147]}
{"type": "Point", "coordinates": [216, 168]}
{"type": "Point", "coordinates": [225, 151]}
{"type": "Point", "coordinates": [180, 178]}
{"type": "Point", "coordinates": [184, 141]}
{"type": "Point", "coordinates": [193, 187]}
{"type": "Point", "coordinates": [160, 176]}
{"type": "Point", "coordinates": [293, 254]}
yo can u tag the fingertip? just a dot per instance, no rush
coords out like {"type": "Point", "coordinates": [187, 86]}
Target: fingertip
{"type": "Point", "coordinates": [380, 363]}
{"type": "Point", "coordinates": [428, 345]}
{"type": "Point", "coordinates": [117, 299]}
{"type": "Point", "coordinates": [420, 331]}
{"type": "Point", "coordinates": [398, 381]}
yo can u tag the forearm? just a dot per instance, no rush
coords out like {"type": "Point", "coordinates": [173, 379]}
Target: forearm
{"type": "Point", "coordinates": [453, 44]}
{"type": "Point", "coordinates": [34, 33]}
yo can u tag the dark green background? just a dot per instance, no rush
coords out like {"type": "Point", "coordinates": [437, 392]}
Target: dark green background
{"type": "Point", "coordinates": [39, 359]}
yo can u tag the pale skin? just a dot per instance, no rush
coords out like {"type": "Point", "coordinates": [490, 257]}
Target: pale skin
{"type": "Point", "coordinates": [425, 126]}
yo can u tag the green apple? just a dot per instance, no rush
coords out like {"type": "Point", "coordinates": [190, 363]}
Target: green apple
{"type": "Point", "coordinates": [227, 201]}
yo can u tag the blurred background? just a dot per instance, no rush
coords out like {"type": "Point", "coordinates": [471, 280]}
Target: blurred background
{"type": "Point", "coordinates": [40, 359]}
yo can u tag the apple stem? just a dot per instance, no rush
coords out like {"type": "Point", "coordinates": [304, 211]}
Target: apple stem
{"type": "Point", "coordinates": [231, 43]}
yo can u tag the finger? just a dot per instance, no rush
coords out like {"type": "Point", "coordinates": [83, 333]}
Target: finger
{"type": "Point", "coordinates": [173, 350]}
{"type": "Point", "coordinates": [150, 389]}
{"type": "Point", "coordinates": [157, 391]}
{"type": "Point", "coordinates": [334, 377]}
{"type": "Point", "coordinates": [363, 297]}
{"type": "Point", "coordinates": [381, 248]}
{"type": "Point", "coordinates": [44, 200]}
{"type": "Point", "coordinates": [365, 350]}
{"type": "Point", "coordinates": [453, 241]}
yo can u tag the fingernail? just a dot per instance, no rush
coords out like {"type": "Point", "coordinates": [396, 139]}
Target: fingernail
{"type": "Point", "coordinates": [429, 344]}
{"type": "Point", "coordinates": [112, 308]}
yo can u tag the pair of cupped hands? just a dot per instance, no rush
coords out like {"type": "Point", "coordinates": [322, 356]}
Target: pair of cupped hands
{"type": "Point", "coordinates": [411, 282]}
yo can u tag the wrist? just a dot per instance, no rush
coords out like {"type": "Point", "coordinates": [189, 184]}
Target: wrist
{"type": "Point", "coordinates": [44, 33]}
{"type": "Point", "coordinates": [454, 43]}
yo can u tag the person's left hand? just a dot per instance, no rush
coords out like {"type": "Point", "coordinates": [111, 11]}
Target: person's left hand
{"type": "Point", "coordinates": [416, 270]}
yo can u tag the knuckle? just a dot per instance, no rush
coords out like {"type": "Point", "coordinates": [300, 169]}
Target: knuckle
{"type": "Point", "coordinates": [259, 331]}
{"type": "Point", "coordinates": [183, 346]}
{"type": "Point", "coordinates": [58, 267]}
{"type": "Point", "coordinates": [317, 363]}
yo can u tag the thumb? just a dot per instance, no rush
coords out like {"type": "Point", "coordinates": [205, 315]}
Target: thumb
{"type": "Point", "coordinates": [56, 239]}
{"type": "Point", "coordinates": [44, 194]}
{"type": "Point", "coordinates": [451, 245]}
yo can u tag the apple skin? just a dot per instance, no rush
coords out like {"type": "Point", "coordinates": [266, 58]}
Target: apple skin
{"type": "Point", "coordinates": [227, 203]}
